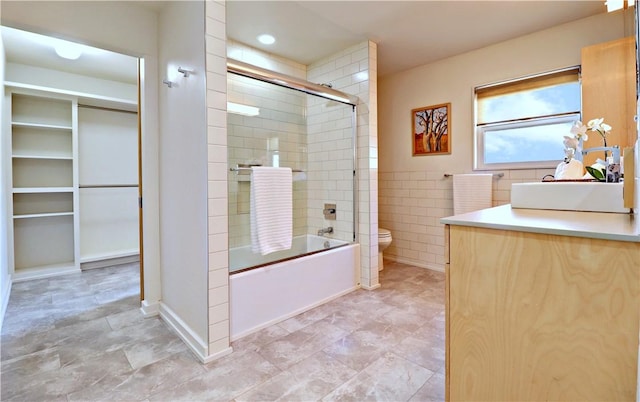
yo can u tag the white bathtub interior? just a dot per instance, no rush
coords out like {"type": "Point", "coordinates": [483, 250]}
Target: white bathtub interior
{"type": "Point", "coordinates": [242, 257]}
{"type": "Point", "coordinates": [264, 296]}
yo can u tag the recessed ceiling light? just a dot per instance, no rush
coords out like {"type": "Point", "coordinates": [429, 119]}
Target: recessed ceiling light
{"type": "Point", "coordinates": [68, 50]}
{"type": "Point", "coordinates": [267, 39]}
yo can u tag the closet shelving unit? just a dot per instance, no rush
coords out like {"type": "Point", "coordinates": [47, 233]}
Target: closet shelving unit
{"type": "Point", "coordinates": [44, 187]}
{"type": "Point", "coordinates": [72, 196]}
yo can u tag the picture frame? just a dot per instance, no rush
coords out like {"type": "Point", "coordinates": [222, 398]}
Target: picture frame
{"type": "Point", "coordinates": [431, 130]}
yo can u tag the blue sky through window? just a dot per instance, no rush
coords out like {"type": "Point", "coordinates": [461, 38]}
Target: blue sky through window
{"type": "Point", "coordinates": [526, 144]}
{"type": "Point", "coordinates": [535, 141]}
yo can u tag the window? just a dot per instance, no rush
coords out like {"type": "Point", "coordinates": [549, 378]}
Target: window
{"type": "Point", "coordinates": [520, 124]}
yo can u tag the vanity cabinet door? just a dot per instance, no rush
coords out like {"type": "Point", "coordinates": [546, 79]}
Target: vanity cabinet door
{"type": "Point", "coordinates": [541, 317]}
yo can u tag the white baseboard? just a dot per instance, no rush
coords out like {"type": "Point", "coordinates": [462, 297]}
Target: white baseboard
{"type": "Point", "coordinates": [193, 341]}
{"type": "Point", "coordinates": [218, 355]}
{"type": "Point", "coordinates": [418, 264]}
{"type": "Point", "coordinates": [376, 286]}
{"type": "Point", "coordinates": [150, 309]}
{"type": "Point", "coordinates": [6, 292]}
{"type": "Point", "coordinates": [88, 263]}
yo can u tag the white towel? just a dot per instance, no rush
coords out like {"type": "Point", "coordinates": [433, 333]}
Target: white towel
{"type": "Point", "coordinates": [271, 209]}
{"type": "Point", "coordinates": [471, 192]}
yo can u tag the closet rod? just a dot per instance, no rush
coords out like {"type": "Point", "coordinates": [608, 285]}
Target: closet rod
{"type": "Point", "coordinates": [107, 185]}
{"type": "Point", "coordinates": [110, 109]}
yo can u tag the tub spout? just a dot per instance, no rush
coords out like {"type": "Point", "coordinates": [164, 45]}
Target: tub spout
{"type": "Point", "coordinates": [321, 232]}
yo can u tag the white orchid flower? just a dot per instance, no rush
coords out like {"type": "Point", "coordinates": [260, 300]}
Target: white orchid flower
{"type": "Point", "coordinates": [579, 130]}
{"type": "Point", "coordinates": [570, 142]}
{"type": "Point", "coordinates": [594, 125]}
{"type": "Point", "coordinates": [599, 126]}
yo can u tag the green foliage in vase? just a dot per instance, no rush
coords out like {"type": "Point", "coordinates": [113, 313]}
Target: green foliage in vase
{"type": "Point", "coordinates": [598, 174]}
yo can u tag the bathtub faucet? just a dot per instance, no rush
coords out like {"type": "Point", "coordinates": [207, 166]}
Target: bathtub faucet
{"type": "Point", "coordinates": [325, 230]}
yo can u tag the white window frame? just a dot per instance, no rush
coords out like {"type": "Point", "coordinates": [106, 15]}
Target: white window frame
{"type": "Point", "coordinates": [479, 162]}
{"type": "Point", "coordinates": [479, 133]}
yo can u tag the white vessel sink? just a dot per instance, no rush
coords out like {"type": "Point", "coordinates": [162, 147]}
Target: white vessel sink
{"type": "Point", "coordinates": [569, 196]}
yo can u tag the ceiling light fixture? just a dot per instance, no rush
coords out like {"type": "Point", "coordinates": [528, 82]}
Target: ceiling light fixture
{"type": "Point", "coordinates": [266, 39]}
{"type": "Point", "coordinates": [244, 110]}
{"type": "Point", "coordinates": [67, 50]}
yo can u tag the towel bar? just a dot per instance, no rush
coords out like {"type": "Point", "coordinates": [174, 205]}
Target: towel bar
{"type": "Point", "coordinates": [244, 169]}
{"type": "Point", "coordinates": [498, 175]}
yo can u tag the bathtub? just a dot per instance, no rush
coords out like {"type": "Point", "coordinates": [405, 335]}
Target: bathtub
{"type": "Point", "coordinates": [263, 296]}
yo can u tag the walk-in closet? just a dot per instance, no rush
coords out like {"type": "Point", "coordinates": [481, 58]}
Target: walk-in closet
{"type": "Point", "coordinates": [70, 156]}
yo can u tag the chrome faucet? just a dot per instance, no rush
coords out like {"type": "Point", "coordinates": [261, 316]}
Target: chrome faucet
{"type": "Point", "coordinates": [612, 174]}
{"type": "Point", "coordinates": [325, 230]}
{"type": "Point", "coordinates": [615, 152]}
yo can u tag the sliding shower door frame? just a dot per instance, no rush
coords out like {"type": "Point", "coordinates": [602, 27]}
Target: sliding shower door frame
{"type": "Point", "coordinates": [323, 91]}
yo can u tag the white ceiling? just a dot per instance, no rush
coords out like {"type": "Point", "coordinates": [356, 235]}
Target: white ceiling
{"type": "Point", "coordinates": [38, 50]}
{"type": "Point", "coordinates": [408, 33]}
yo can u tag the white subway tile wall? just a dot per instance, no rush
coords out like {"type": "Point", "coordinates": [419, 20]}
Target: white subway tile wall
{"type": "Point", "coordinates": [276, 137]}
{"type": "Point", "coordinates": [307, 133]}
{"type": "Point", "coordinates": [354, 71]}
{"type": "Point", "coordinates": [329, 152]}
{"type": "Point", "coordinates": [218, 281]}
{"type": "Point", "coordinates": [330, 169]}
{"type": "Point", "coordinates": [280, 132]}
{"type": "Point", "coordinates": [411, 204]}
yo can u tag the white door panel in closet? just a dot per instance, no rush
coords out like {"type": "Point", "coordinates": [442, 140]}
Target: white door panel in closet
{"type": "Point", "coordinates": [108, 222]}
{"type": "Point", "coordinates": [108, 171]}
{"type": "Point", "coordinates": [107, 147]}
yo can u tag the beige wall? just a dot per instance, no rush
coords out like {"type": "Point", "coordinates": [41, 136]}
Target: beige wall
{"type": "Point", "coordinates": [414, 195]}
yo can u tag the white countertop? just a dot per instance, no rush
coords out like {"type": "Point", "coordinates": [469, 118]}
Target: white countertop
{"type": "Point", "coordinates": [597, 225]}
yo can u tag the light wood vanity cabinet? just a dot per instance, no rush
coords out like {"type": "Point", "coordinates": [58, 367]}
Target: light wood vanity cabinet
{"type": "Point", "coordinates": [535, 316]}
{"type": "Point", "coordinates": [609, 91]}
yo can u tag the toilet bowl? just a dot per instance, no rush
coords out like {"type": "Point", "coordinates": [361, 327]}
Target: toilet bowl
{"type": "Point", "coordinates": [384, 240]}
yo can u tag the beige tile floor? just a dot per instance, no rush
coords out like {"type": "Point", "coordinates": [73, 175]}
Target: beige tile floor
{"type": "Point", "coordinates": [81, 338]}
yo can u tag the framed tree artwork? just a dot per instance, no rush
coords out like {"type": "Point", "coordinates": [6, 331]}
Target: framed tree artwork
{"type": "Point", "coordinates": [431, 130]}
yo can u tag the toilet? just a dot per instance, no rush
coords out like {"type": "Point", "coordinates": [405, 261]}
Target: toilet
{"type": "Point", "coordinates": [384, 240]}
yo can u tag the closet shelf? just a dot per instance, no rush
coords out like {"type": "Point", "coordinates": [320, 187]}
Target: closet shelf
{"type": "Point", "coordinates": [57, 157]}
{"type": "Point", "coordinates": [40, 125]}
{"type": "Point", "coordinates": [42, 215]}
{"type": "Point", "coordinates": [26, 190]}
